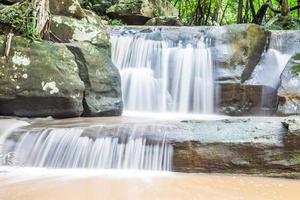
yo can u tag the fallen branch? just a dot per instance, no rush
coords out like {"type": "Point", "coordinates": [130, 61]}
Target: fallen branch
{"type": "Point", "coordinates": [8, 44]}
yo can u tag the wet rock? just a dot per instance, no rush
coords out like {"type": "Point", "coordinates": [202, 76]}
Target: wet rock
{"type": "Point", "coordinates": [245, 145]}
{"type": "Point", "coordinates": [102, 81]}
{"type": "Point", "coordinates": [289, 91]}
{"type": "Point", "coordinates": [241, 99]}
{"type": "Point", "coordinates": [238, 51]}
{"type": "Point", "coordinates": [98, 6]}
{"type": "Point", "coordinates": [138, 12]}
{"type": "Point", "coordinates": [69, 8]}
{"type": "Point", "coordinates": [34, 83]}
{"type": "Point", "coordinates": [292, 139]}
{"type": "Point", "coordinates": [164, 21]}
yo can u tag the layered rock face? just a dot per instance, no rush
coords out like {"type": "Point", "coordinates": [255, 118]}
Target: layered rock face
{"type": "Point", "coordinates": [70, 78]}
{"type": "Point", "coordinates": [138, 12]}
{"type": "Point", "coordinates": [289, 91]}
{"type": "Point", "coordinates": [237, 53]}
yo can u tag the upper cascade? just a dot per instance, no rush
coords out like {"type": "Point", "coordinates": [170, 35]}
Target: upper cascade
{"type": "Point", "coordinates": [161, 75]}
{"type": "Point", "coordinates": [201, 70]}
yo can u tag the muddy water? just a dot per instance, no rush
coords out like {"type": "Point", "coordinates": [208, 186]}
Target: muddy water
{"type": "Point", "coordinates": [43, 184]}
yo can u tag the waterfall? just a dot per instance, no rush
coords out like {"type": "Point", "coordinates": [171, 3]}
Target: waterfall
{"type": "Point", "coordinates": [272, 63]}
{"type": "Point", "coordinates": [161, 75]}
{"type": "Point", "coordinates": [98, 147]}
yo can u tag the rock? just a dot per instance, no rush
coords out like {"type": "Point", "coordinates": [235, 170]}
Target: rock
{"type": "Point", "coordinates": [98, 6]}
{"type": "Point", "coordinates": [236, 54]}
{"type": "Point", "coordinates": [292, 139]}
{"type": "Point", "coordinates": [69, 8]}
{"type": "Point", "coordinates": [289, 91]}
{"type": "Point", "coordinates": [164, 21]}
{"type": "Point", "coordinates": [138, 12]}
{"type": "Point", "coordinates": [236, 99]}
{"type": "Point", "coordinates": [101, 78]}
{"type": "Point", "coordinates": [39, 79]}
{"type": "Point", "coordinates": [9, 2]}
{"type": "Point", "coordinates": [88, 29]}
{"type": "Point", "coordinates": [238, 51]}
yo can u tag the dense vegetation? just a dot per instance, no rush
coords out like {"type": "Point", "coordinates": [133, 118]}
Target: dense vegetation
{"type": "Point", "coordinates": [274, 14]}
{"type": "Point", "coordinates": [18, 18]}
{"type": "Point", "coordinates": [221, 12]}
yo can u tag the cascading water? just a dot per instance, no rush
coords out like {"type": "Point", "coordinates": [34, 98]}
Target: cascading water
{"type": "Point", "coordinates": [160, 75]}
{"type": "Point", "coordinates": [106, 147]}
{"type": "Point", "coordinates": [178, 70]}
{"type": "Point", "coordinates": [272, 63]}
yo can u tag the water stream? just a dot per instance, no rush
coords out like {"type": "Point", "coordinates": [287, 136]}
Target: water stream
{"type": "Point", "coordinates": [104, 147]}
{"type": "Point", "coordinates": [160, 75]}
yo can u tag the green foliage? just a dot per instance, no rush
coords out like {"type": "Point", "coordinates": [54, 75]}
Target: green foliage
{"type": "Point", "coordinates": [116, 22]}
{"type": "Point", "coordinates": [296, 69]}
{"type": "Point", "coordinates": [18, 18]}
{"type": "Point", "coordinates": [223, 12]}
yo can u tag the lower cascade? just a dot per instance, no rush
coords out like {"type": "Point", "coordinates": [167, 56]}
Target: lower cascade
{"type": "Point", "coordinates": [97, 147]}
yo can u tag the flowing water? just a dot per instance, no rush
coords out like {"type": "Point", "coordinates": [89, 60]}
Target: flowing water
{"type": "Point", "coordinates": [105, 147]}
{"type": "Point", "coordinates": [160, 75]}
{"type": "Point", "coordinates": [175, 70]}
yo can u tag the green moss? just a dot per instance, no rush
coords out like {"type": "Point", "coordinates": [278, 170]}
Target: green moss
{"type": "Point", "coordinates": [296, 57]}
{"type": "Point", "coordinates": [248, 158]}
{"type": "Point", "coordinates": [296, 69]}
{"type": "Point", "coordinates": [296, 159]}
{"type": "Point", "coordinates": [278, 157]}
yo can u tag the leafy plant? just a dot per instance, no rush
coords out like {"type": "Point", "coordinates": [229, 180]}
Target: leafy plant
{"type": "Point", "coordinates": [18, 18]}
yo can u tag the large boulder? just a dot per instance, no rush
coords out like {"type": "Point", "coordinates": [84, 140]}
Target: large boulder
{"type": "Point", "coordinates": [69, 8]}
{"type": "Point", "coordinates": [88, 29]}
{"type": "Point", "coordinates": [138, 12]}
{"type": "Point", "coordinates": [289, 91]}
{"type": "Point", "coordinates": [238, 50]}
{"type": "Point", "coordinates": [39, 79]}
{"type": "Point", "coordinates": [102, 95]}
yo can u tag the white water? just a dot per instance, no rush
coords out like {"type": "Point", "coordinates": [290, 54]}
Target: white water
{"type": "Point", "coordinates": [105, 149]}
{"type": "Point", "coordinates": [162, 76]}
{"type": "Point", "coordinates": [272, 64]}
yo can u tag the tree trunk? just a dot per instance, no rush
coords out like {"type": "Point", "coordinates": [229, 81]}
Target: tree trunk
{"type": "Point", "coordinates": [240, 12]}
{"type": "Point", "coordinates": [41, 16]}
{"type": "Point", "coordinates": [284, 7]}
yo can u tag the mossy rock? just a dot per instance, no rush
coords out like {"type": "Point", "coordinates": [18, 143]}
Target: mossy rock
{"type": "Point", "coordinates": [138, 12]}
{"type": "Point", "coordinates": [102, 80]}
{"type": "Point", "coordinates": [39, 79]}
{"type": "Point", "coordinates": [69, 8]}
{"type": "Point", "coordinates": [88, 29]}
